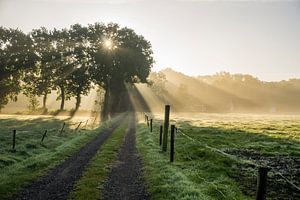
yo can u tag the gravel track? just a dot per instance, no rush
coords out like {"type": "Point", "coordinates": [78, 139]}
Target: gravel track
{"type": "Point", "coordinates": [125, 180]}
{"type": "Point", "coordinates": [59, 182]}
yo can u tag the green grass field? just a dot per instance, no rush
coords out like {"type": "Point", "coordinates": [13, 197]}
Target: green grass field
{"type": "Point", "coordinates": [200, 171]}
{"type": "Point", "coordinates": [213, 155]}
{"type": "Point", "coordinates": [31, 157]}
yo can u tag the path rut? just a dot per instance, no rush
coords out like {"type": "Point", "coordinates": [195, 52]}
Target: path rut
{"type": "Point", "coordinates": [125, 180]}
{"type": "Point", "coordinates": [59, 182]}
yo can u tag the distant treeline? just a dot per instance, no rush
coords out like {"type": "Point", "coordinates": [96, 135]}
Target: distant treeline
{"type": "Point", "coordinates": [225, 92]}
{"type": "Point", "coordinates": [71, 61]}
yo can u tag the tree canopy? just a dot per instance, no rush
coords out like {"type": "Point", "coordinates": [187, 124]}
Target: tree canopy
{"type": "Point", "coordinates": [71, 61]}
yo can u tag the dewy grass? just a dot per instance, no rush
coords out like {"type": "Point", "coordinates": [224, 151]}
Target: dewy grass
{"type": "Point", "coordinates": [31, 158]}
{"type": "Point", "coordinates": [268, 138]}
{"type": "Point", "coordinates": [202, 173]}
{"type": "Point", "coordinates": [196, 173]}
{"type": "Point", "coordinates": [89, 186]}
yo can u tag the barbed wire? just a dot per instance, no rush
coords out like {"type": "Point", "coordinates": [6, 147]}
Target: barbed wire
{"type": "Point", "coordinates": [194, 166]}
{"type": "Point", "coordinates": [235, 157]}
{"type": "Point", "coordinates": [218, 150]}
{"type": "Point", "coordinates": [24, 130]}
{"type": "Point", "coordinates": [287, 180]}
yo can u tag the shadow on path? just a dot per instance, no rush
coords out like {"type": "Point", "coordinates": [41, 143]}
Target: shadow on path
{"type": "Point", "coordinates": [125, 180]}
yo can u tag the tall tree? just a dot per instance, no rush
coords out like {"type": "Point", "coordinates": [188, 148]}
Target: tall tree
{"type": "Point", "coordinates": [122, 57]}
{"type": "Point", "coordinates": [39, 80]}
{"type": "Point", "coordinates": [79, 81]}
{"type": "Point", "coordinates": [16, 57]}
{"type": "Point", "coordinates": [63, 63]}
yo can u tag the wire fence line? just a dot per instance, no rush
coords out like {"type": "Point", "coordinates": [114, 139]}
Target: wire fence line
{"type": "Point", "coordinates": [263, 169]}
{"type": "Point", "coordinates": [24, 130]}
{"type": "Point", "coordinates": [233, 157]}
{"type": "Point", "coordinates": [287, 180]}
{"type": "Point", "coordinates": [218, 150]}
{"type": "Point", "coordinates": [236, 158]}
{"type": "Point", "coordinates": [194, 166]}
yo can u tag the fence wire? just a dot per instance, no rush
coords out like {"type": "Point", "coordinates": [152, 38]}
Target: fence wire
{"type": "Point", "coordinates": [194, 166]}
{"type": "Point", "coordinates": [235, 157]}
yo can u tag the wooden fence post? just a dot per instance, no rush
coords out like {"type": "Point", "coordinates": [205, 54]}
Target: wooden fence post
{"type": "Point", "coordinates": [262, 183]}
{"type": "Point", "coordinates": [147, 121]}
{"type": "Point", "coordinates": [62, 129]}
{"type": "Point", "coordinates": [172, 141]}
{"type": "Point", "coordinates": [94, 122]}
{"type": "Point", "coordinates": [78, 126]}
{"type": "Point", "coordinates": [160, 134]}
{"type": "Point", "coordinates": [166, 128]}
{"type": "Point", "coordinates": [151, 121]}
{"type": "Point", "coordinates": [14, 140]}
{"type": "Point", "coordinates": [44, 135]}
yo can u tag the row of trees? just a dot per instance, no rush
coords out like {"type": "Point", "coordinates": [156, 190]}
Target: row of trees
{"type": "Point", "coordinates": [225, 92]}
{"type": "Point", "coordinates": [71, 61]}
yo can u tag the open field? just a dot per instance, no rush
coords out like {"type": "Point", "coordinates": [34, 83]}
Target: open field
{"type": "Point", "coordinates": [31, 157]}
{"type": "Point", "coordinates": [217, 155]}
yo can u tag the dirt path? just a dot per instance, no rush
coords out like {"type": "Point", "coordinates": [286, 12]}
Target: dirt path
{"type": "Point", "coordinates": [125, 180]}
{"type": "Point", "coordinates": [59, 182]}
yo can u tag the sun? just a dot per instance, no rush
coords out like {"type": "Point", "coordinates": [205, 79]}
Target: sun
{"type": "Point", "coordinates": [108, 44]}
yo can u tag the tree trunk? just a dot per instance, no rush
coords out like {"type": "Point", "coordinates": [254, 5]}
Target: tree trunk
{"type": "Point", "coordinates": [62, 103]}
{"type": "Point", "coordinates": [116, 99]}
{"type": "Point", "coordinates": [78, 101]}
{"type": "Point", "coordinates": [44, 101]}
{"type": "Point", "coordinates": [105, 110]}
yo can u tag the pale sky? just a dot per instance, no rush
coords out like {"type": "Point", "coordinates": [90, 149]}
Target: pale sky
{"type": "Point", "coordinates": [196, 37]}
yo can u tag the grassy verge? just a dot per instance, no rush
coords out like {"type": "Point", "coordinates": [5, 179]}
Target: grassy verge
{"type": "Point", "coordinates": [31, 158]}
{"type": "Point", "coordinates": [196, 174]}
{"type": "Point", "coordinates": [201, 172]}
{"type": "Point", "coordinates": [90, 184]}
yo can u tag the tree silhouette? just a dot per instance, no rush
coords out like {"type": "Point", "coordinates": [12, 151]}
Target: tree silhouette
{"type": "Point", "coordinates": [128, 61]}
{"type": "Point", "coordinates": [39, 80]}
{"type": "Point", "coordinates": [16, 57]}
{"type": "Point", "coordinates": [71, 61]}
{"type": "Point", "coordinates": [62, 62]}
{"type": "Point", "coordinates": [79, 81]}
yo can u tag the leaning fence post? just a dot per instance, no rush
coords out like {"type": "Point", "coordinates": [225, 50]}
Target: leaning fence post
{"type": "Point", "coordinates": [44, 135]}
{"type": "Point", "coordinates": [151, 121]}
{"type": "Point", "coordinates": [147, 121]}
{"type": "Point", "coordinates": [94, 122]}
{"type": "Point", "coordinates": [262, 183]}
{"type": "Point", "coordinates": [62, 129]}
{"type": "Point", "coordinates": [172, 141]}
{"type": "Point", "coordinates": [160, 134]}
{"type": "Point", "coordinates": [78, 126]}
{"type": "Point", "coordinates": [14, 140]}
{"type": "Point", "coordinates": [166, 127]}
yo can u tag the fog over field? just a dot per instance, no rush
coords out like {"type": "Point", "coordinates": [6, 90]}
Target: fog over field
{"type": "Point", "coordinates": [149, 99]}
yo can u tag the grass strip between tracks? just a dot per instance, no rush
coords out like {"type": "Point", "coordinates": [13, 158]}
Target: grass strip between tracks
{"type": "Point", "coordinates": [89, 186]}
